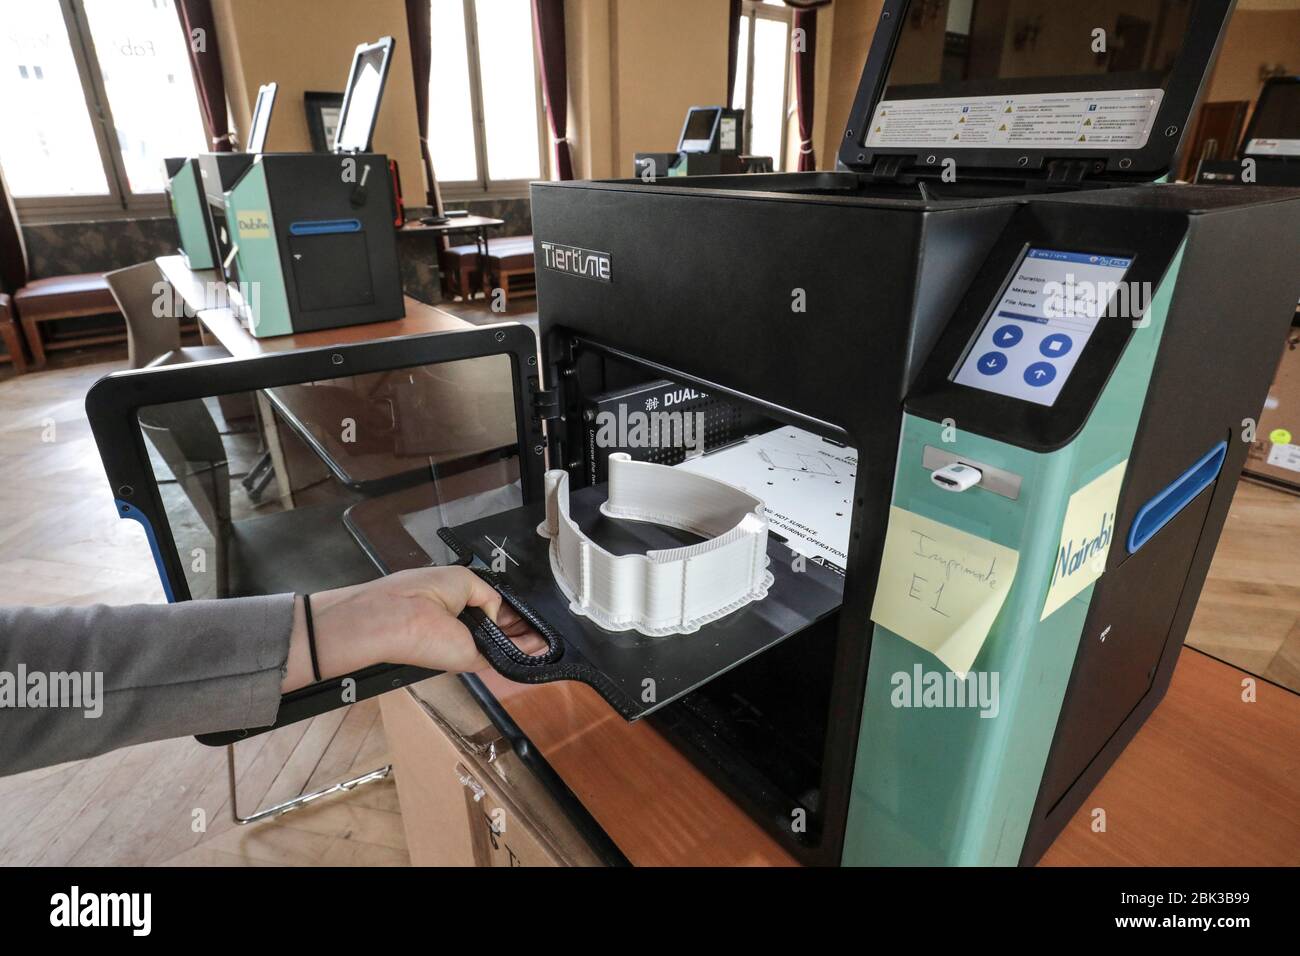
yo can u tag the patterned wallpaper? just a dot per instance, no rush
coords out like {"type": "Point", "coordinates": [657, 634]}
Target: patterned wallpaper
{"type": "Point", "coordinates": [518, 213]}
{"type": "Point", "coordinates": [64, 248]}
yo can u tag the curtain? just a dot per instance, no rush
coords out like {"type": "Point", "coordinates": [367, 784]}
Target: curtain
{"type": "Point", "coordinates": [805, 76]}
{"type": "Point", "coordinates": [419, 32]}
{"type": "Point", "coordinates": [13, 257]}
{"type": "Point", "coordinates": [548, 17]}
{"type": "Point", "coordinates": [733, 51]}
{"type": "Point", "coordinates": [805, 79]}
{"type": "Point", "coordinates": [205, 63]}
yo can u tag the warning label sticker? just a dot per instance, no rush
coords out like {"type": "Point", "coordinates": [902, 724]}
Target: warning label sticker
{"type": "Point", "coordinates": [1118, 119]}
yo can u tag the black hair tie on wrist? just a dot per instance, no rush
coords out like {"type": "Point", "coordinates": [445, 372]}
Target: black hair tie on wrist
{"type": "Point", "coordinates": [311, 638]}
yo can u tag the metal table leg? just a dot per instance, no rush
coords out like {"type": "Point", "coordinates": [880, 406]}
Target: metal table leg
{"type": "Point", "coordinates": [482, 240]}
{"type": "Point", "coordinates": [282, 808]}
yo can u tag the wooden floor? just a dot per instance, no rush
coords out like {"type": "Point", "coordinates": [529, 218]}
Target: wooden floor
{"type": "Point", "coordinates": [62, 543]}
{"type": "Point", "coordinates": [1211, 779]}
{"type": "Point", "coordinates": [1249, 614]}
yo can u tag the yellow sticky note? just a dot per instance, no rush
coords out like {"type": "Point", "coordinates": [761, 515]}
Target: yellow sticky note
{"type": "Point", "coordinates": [253, 224]}
{"type": "Point", "coordinates": [1086, 537]}
{"type": "Point", "coordinates": [941, 588]}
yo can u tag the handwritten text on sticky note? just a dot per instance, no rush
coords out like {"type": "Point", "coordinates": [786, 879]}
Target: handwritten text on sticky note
{"type": "Point", "coordinates": [941, 588]}
{"type": "Point", "coordinates": [1086, 538]}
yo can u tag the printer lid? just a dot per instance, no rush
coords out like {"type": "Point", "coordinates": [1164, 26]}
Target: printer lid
{"type": "Point", "coordinates": [361, 98]}
{"type": "Point", "coordinates": [1274, 129]}
{"type": "Point", "coordinates": [261, 123]}
{"type": "Point", "coordinates": [1032, 88]}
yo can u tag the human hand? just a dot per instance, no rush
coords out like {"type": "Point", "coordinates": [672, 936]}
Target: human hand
{"type": "Point", "coordinates": [405, 618]}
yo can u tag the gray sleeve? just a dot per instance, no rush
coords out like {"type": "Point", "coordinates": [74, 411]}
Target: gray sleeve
{"type": "Point", "coordinates": [79, 681]}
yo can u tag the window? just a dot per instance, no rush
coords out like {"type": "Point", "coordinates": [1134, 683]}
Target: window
{"type": "Point", "coordinates": [486, 121]}
{"type": "Point", "coordinates": [94, 95]}
{"type": "Point", "coordinates": [763, 87]}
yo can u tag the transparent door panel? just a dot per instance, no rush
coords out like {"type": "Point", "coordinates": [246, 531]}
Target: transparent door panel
{"type": "Point", "coordinates": [312, 486]}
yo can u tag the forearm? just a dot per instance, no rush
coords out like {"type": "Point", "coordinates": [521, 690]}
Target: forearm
{"type": "Point", "coordinates": [139, 673]}
{"type": "Point", "coordinates": [174, 670]}
{"type": "Point", "coordinates": [348, 638]}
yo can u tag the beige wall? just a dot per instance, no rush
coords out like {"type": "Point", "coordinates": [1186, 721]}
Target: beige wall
{"type": "Point", "coordinates": [666, 57]}
{"type": "Point", "coordinates": [591, 97]}
{"type": "Point", "coordinates": [855, 25]}
{"type": "Point", "coordinates": [637, 66]}
{"type": "Point", "coordinates": [1255, 38]}
{"type": "Point", "coordinates": [307, 45]}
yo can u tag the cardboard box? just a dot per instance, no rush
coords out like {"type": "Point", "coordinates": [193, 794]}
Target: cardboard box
{"type": "Point", "coordinates": [467, 799]}
{"type": "Point", "coordinates": [1274, 459]}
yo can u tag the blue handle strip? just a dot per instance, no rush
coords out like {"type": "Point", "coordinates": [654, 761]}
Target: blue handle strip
{"type": "Point", "coordinates": [320, 227]}
{"type": "Point", "coordinates": [135, 514]}
{"type": "Point", "coordinates": [1164, 507]}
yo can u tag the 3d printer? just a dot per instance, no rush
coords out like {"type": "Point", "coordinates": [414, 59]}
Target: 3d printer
{"type": "Point", "coordinates": [306, 238]}
{"type": "Point", "coordinates": [898, 328]}
{"type": "Point", "coordinates": [1271, 144]}
{"type": "Point", "coordinates": [710, 144]}
{"type": "Point", "coordinates": [200, 241]}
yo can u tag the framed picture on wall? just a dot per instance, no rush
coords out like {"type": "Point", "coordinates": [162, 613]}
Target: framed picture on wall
{"type": "Point", "coordinates": [322, 118]}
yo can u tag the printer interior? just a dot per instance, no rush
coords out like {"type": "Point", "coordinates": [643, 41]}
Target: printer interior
{"type": "Point", "coordinates": [747, 697]}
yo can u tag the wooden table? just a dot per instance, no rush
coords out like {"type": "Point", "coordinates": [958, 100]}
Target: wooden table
{"type": "Point", "coordinates": [195, 288]}
{"type": "Point", "coordinates": [479, 225]}
{"type": "Point", "coordinates": [396, 442]}
{"type": "Point", "coordinates": [475, 224]}
{"type": "Point", "coordinates": [299, 406]}
{"type": "Point", "coordinates": [1210, 780]}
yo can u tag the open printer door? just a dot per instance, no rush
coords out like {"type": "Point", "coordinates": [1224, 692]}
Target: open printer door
{"type": "Point", "coordinates": [321, 468]}
{"type": "Point", "coordinates": [327, 467]}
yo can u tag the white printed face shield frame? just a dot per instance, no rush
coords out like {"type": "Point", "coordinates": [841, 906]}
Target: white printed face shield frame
{"type": "Point", "coordinates": [661, 592]}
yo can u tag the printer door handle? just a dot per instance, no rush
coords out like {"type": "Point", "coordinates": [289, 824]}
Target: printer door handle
{"type": "Point", "coordinates": [1170, 502]}
{"type": "Point", "coordinates": [554, 665]}
{"type": "Point", "coordinates": [501, 652]}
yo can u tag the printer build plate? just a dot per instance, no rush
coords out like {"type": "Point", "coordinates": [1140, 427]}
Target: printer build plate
{"type": "Point", "coordinates": [637, 674]}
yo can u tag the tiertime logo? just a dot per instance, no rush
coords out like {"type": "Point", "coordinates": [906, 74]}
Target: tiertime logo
{"type": "Point", "coordinates": [574, 261]}
{"type": "Point", "coordinates": [1076, 555]}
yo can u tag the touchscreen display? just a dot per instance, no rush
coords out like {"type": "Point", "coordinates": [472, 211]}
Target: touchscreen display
{"type": "Point", "coordinates": [1030, 343]}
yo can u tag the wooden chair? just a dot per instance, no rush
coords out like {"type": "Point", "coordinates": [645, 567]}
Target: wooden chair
{"type": "Point", "coordinates": [511, 260]}
{"type": "Point", "coordinates": [458, 268]}
{"type": "Point", "coordinates": [10, 336]}
{"type": "Point", "coordinates": [63, 297]}
{"type": "Point", "coordinates": [37, 301]}
{"type": "Point", "coordinates": [153, 338]}
{"type": "Point", "coordinates": [459, 265]}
